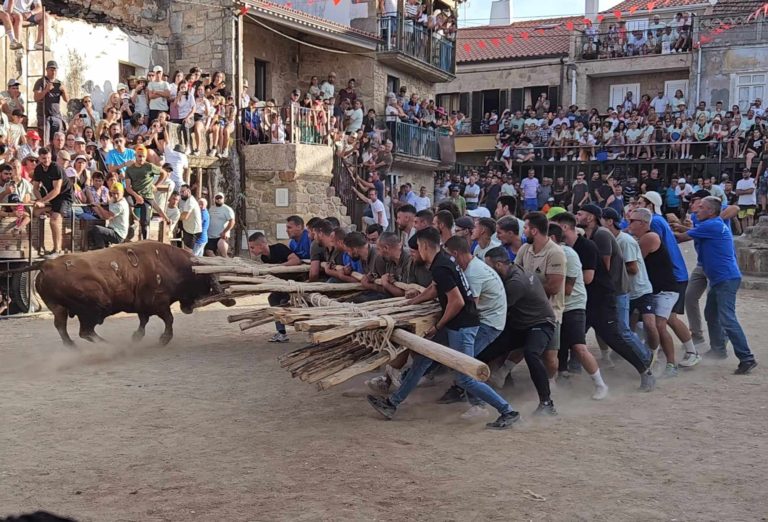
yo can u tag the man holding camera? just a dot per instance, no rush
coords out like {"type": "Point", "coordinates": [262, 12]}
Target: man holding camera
{"type": "Point", "coordinates": [49, 92]}
{"type": "Point", "coordinates": [116, 215]}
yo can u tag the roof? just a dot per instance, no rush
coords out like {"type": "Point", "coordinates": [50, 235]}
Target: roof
{"type": "Point", "coordinates": [642, 5]}
{"type": "Point", "coordinates": [736, 7]}
{"type": "Point", "coordinates": [289, 13]}
{"type": "Point", "coordinates": [547, 37]}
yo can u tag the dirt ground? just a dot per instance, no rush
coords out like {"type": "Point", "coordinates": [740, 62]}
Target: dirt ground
{"type": "Point", "coordinates": [210, 428]}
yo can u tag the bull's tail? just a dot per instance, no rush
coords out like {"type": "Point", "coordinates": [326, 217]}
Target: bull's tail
{"type": "Point", "coordinates": [29, 268]}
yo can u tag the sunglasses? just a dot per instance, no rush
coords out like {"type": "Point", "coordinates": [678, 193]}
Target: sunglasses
{"type": "Point", "coordinates": [114, 193]}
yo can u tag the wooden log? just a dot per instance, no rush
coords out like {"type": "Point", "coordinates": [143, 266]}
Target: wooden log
{"type": "Point", "coordinates": [336, 366]}
{"type": "Point", "coordinates": [253, 314]}
{"type": "Point", "coordinates": [368, 364]}
{"type": "Point", "coordinates": [442, 354]}
{"type": "Point", "coordinates": [294, 287]}
{"type": "Point", "coordinates": [251, 270]}
{"type": "Point", "coordinates": [304, 352]}
{"type": "Point", "coordinates": [253, 323]}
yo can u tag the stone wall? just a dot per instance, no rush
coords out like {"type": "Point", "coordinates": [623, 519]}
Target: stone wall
{"type": "Point", "coordinates": [413, 84]}
{"type": "Point", "coordinates": [305, 170]}
{"type": "Point", "coordinates": [346, 66]}
{"type": "Point", "coordinates": [503, 76]}
{"type": "Point", "coordinates": [140, 16]}
{"type": "Point", "coordinates": [720, 66]}
{"type": "Point", "coordinates": [281, 56]}
{"type": "Point", "coordinates": [202, 37]}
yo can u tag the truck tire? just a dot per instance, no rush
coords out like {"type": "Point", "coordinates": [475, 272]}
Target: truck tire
{"type": "Point", "coordinates": [24, 301]}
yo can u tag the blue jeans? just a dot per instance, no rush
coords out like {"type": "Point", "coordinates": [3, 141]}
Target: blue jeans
{"type": "Point", "coordinates": [462, 340]}
{"type": "Point", "coordinates": [531, 204]}
{"type": "Point", "coordinates": [638, 346]}
{"type": "Point", "coordinates": [722, 323]}
{"type": "Point", "coordinates": [485, 336]}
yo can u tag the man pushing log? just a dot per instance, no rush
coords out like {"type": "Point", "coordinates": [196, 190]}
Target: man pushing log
{"type": "Point", "coordinates": [460, 321]}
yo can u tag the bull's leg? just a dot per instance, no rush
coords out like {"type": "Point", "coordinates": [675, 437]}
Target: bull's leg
{"type": "Point", "coordinates": [167, 318]}
{"type": "Point", "coordinates": [88, 330]}
{"type": "Point", "coordinates": [60, 322]}
{"type": "Point", "coordinates": [138, 335]}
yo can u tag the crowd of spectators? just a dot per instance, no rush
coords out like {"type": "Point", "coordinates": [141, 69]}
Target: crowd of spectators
{"type": "Point", "coordinates": [653, 127]}
{"type": "Point", "coordinates": [118, 165]}
{"type": "Point", "coordinates": [657, 37]}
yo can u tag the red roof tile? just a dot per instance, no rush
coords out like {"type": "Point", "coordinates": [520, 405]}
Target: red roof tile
{"type": "Point", "coordinates": [528, 39]}
{"type": "Point", "coordinates": [642, 5]}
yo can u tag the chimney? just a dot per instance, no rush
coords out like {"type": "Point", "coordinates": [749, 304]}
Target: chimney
{"type": "Point", "coordinates": [590, 9]}
{"type": "Point", "coordinates": [501, 12]}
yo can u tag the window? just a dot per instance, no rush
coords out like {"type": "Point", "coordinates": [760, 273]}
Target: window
{"type": "Point", "coordinates": [619, 92]}
{"type": "Point", "coordinates": [260, 89]}
{"type": "Point", "coordinates": [450, 102]}
{"type": "Point", "coordinates": [124, 71]}
{"type": "Point", "coordinates": [393, 84]}
{"type": "Point", "coordinates": [749, 87]}
{"type": "Point", "coordinates": [671, 87]}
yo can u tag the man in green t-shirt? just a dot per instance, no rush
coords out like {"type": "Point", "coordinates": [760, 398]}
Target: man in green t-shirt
{"type": "Point", "coordinates": [140, 186]}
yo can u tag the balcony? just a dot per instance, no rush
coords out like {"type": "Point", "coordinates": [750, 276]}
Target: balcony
{"type": "Point", "coordinates": [605, 54]}
{"type": "Point", "coordinates": [409, 46]}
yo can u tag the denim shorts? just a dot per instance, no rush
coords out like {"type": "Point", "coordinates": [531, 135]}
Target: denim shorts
{"type": "Point", "coordinates": [664, 303]}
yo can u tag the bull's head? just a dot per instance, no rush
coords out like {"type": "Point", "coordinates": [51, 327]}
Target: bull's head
{"type": "Point", "coordinates": [207, 291]}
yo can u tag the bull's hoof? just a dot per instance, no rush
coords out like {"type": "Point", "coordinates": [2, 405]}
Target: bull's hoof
{"type": "Point", "coordinates": [228, 302]}
{"type": "Point", "coordinates": [165, 339]}
{"type": "Point", "coordinates": [137, 336]}
{"type": "Point", "coordinates": [187, 309]}
{"type": "Point", "coordinates": [69, 343]}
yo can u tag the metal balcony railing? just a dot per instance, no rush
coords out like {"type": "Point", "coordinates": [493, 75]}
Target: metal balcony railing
{"type": "Point", "coordinates": [286, 124]}
{"type": "Point", "coordinates": [645, 42]}
{"type": "Point", "coordinates": [413, 140]}
{"type": "Point", "coordinates": [417, 41]}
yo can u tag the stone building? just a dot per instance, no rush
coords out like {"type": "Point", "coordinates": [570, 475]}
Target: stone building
{"type": "Point", "coordinates": [276, 48]}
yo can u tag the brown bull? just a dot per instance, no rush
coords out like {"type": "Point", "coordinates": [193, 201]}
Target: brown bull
{"type": "Point", "coordinates": [145, 278]}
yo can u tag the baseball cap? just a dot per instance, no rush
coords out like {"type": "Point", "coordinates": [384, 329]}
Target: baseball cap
{"type": "Point", "coordinates": [81, 157]}
{"type": "Point", "coordinates": [465, 222]}
{"type": "Point", "coordinates": [141, 148]}
{"type": "Point", "coordinates": [122, 87]}
{"type": "Point", "coordinates": [13, 83]}
{"type": "Point", "coordinates": [654, 198]}
{"type": "Point", "coordinates": [554, 211]}
{"type": "Point", "coordinates": [32, 135]}
{"type": "Point", "coordinates": [63, 154]}
{"type": "Point", "coordinates": [453, 187]}
{"type": "Point", "coordinates": [594, 210]}
{"type": "Point", "coordinates": [297, 92]}
{"type": "Point", "coordinates": [681, 180]}
{"type": "Point", "coordinates": [79, 139]}
{"type": "Point", "coordinates": [51, 64]}
{"type": "Point", "coordinates": [479, 212]}
{"type": "Point", "coordinates": [117, 187]}
{"type": "Point", "coordinates": [610, 213]}
{"type": "Point", "coordinates": [700, 194]}
{"type": "Point", "coordinates": [157, 68]}
{"type": "Point", "coordinates": [92, 144]}
{"type": "Point", "coordinates": [218, 195]}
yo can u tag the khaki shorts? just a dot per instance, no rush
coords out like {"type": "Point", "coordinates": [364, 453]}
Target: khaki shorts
{"type": "Point", "coordinates": [746, 210]}
{"type": "Point", "coordinates": [554, 344]}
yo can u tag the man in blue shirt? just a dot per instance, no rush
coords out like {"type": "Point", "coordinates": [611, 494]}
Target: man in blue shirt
{"type": "Point", "coordinates": [652, 201]}
{"type": "Point", "coordinates": [300, 240]}
{"type": "Point", "coordinates": [718, 260]}
{"type": "Point", "coordinates": [120, 157]}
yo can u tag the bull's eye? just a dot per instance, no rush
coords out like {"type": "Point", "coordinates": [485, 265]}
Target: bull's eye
{"type": "Point", "coordinates": [159, 279]}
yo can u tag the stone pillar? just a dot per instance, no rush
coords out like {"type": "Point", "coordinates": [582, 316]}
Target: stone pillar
{"type": "Point", "coordinates": [305, 171]}
{"type": "Point", "coordinates": [752, 249]}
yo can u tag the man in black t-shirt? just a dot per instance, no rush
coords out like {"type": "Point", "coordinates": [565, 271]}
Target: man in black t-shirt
{"type": "Point", "coordinates": [602, 313]}
{"type": "Point", "coordinates": [49, 91]}
{"type": "Point", "coordinates": [56, 191]}
{"type": "Point", "coordinates": [320, 249]}
{"type": "Point", "coordinates": [277, 254]}
{"type": "Point", "coordinates": [460, 321]}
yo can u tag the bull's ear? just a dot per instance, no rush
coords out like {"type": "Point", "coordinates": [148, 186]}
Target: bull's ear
{"type": "Point", "coordinates": [229, 302]}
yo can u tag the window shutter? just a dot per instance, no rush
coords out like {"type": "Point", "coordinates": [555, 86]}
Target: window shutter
{"type": "Point", "coordinates": [477, 111]}
{"type": "Point", "coordinates": [554, 97]}
{"type": "Point", "coordinates": [516, 102]}
{"type": "Point", "coordinates": [503, 100]}
{"type": "Point", "coordinates": [464, 103]}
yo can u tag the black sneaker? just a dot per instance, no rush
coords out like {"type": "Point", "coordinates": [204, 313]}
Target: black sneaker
{"type": "Point", "coordinates": [714, 354]}
{"type": "Point", "coordinates": [453, 395]}
{"type": "Point", "coordinates": [745, 367]}
{"type": "Point", "coordinates": [546, 408]}
{"type": "Point", "coordinates": [383, 406]}
{"type": "Point", "coordinates": [505, 420]}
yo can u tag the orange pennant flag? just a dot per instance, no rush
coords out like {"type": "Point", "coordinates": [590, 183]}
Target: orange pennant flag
{"type": "Point", "coordinates": [524, 35]}
{"type": "Point", "coordinates": [540, 31]}
{"type": "Point", "coordinates": [633, 9]}
{"type": "Point", "coordinates": [617, 14]}
{"type": "Point", "coordinates": [336, 2]}
{"type": "Point", "coordinates": [650, 6]}
{"type": "Point", "coordinates": [569, 25]}
{"type": "Point", "coordinates": [467, 48]}
{"type": "Point", "coordinates": [481, 44]}
{"type": "Point", "coordinates": [600, 18]}
{"type": "Point", "coordinates": [496, 42]}
{"type": "Point", "coordinates": [509, 38]}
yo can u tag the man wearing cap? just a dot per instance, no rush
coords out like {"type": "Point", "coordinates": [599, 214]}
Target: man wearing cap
{"type": "Point", "coordinates": [222, 221]}
{"type": "Point", "coordinates": [158, 93]}
{"type": "Point", "coordinates": [717, 256]}
{"type": "Point", "coordinates": [457, 199]}
{"type": "Point", "coordinates": [30, 12]}
{"type": "Point", "coordinates": [11, 99]}
{"type": "Point", "coordinates": [747, 192]}
{"type": "Point", "coordinates": [652, 201]}
{"type": "Point", "coordinates": [463, 227]}
{"type": "Point", "coordinates": [116, 216]}
{"type": "Point", "coordinates": [140, 185]}
{"type": "Point", "coordinates": [49, 91]}
{"type": "Point", "coordinates": [58, 193]}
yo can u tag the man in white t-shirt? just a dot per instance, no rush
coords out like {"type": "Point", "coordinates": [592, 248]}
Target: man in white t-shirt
{"type": "Point", "coordinates": [422, 201]}
{"type": "Point", "coordinates": [116, 217]}
{"type": "Point", "coordinates": [660, 102]}
{"type": "Point", "coordinates": [158, 92]}
{"type": "Point", "coordinates": [221, 224]}
{"type": "Point", "coordinates": [179, 162]}
{"type": "Point", "coordinates": [377, 209]}
{"type": "Point", "coordinates": [191, 218]}
{"type": "Point", "coordinates": [745, 189]}
{"type": "Point", "coordinates": [355, 116]}
{"type": "Point", "coordinates": [28, 11]}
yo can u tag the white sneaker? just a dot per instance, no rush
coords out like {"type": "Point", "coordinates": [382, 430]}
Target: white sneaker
{"type": "Point", "coordinates": [551, 159]}
{"type": "Point", "coordinates": [601, 392]}
{"type": "Point", "coordinates": [279, 338]}
{"type": "Point", "coordinates": [475, 412]}
{"type": "Point", "coordinates": [690, 360]}
{"type": "Point", "coordinates": [378, 385]}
